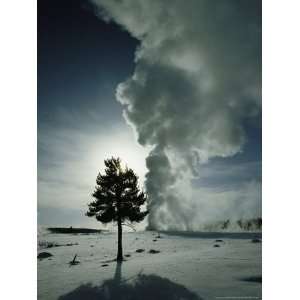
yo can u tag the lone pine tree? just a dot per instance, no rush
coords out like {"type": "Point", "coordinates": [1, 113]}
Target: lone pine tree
{"type": "Point", "coordinates": [117, 198]}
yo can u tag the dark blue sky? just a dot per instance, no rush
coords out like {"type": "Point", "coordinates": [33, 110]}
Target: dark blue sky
{"type": "Point", "coordinates": [81, 59]}
{"type": "Point", "coordinates": [79, 56]}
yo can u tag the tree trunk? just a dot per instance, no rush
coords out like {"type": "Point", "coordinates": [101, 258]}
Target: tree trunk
{"type": "Point", "coordinates": [120, 249]}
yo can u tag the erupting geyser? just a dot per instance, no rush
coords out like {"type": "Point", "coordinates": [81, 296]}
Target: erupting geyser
{"type": "Point", "coordinates": [197, 80]}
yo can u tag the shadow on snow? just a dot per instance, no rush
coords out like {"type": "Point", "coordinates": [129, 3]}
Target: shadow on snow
{"type": "Point", "coordinates": [146, 287]}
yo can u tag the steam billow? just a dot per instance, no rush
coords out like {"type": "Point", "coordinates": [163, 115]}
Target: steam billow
{"type": "Point", "coordinates": [197, 80]}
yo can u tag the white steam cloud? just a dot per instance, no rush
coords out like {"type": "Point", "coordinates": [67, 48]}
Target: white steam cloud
{"type": "Point", "coordinates": [197, 79]}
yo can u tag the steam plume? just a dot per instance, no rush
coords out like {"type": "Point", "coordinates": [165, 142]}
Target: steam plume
{"type": "Point", "coordinates": [197, 79]}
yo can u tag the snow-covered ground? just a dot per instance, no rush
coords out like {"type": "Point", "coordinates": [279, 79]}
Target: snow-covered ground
{"type": "Point", "coordinates": [188, 266]}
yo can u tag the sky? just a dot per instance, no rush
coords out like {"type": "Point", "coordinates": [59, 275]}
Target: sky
{"type": "Point", "coordinates": [175, 91]}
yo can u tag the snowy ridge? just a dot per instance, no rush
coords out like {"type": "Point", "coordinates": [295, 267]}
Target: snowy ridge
{"type": "Point", "coordinates": [241, 225]}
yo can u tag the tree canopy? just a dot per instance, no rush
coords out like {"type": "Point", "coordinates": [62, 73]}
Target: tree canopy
{"type": "Point", "coordinates": [117, 195]}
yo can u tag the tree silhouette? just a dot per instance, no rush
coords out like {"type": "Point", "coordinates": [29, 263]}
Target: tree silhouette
{"type": "Point", "coordinates": [117, 198]}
